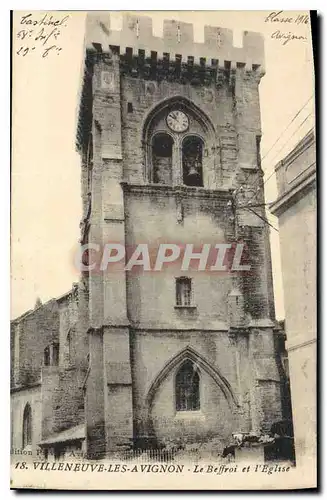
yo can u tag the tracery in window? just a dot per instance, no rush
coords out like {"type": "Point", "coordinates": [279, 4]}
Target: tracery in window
{"type": "Point", "coordinates": [187, 387]}
{"type": "Point", "coordinates": [178, 140]}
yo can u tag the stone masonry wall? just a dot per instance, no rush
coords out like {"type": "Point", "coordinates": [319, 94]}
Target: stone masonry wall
{"type": "Point", "coordinates": [133, 314]}
{"type": "Point", "coordinates": [37, 330]}
{"type": "Point", "coordinates": [62, 399]}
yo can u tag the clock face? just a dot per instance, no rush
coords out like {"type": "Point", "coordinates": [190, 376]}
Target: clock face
{"type": "Point", "coordinates": [177, 121]}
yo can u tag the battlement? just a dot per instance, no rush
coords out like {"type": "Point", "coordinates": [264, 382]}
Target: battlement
{"type": "Point", "coordinates": [177, 41]}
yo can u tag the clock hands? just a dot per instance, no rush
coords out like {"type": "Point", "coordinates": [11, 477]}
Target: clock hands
{"type": "Point", "coordinates": [177, 121]}
{"type": "Point", "coordinates": [174, 117]}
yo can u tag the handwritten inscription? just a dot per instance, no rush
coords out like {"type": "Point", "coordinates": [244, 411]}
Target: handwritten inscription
{"type": "Point", "coordinates": [40, 35]}
{"type": "Point", "coordinates": [279, 17]}
{"type": "Point", "coordinates": [286, 37]}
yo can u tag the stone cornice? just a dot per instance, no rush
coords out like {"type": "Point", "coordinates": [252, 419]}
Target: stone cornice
{"type": "Point", "coordinates": [25, 387]}
{"type": "Point", "coordinates": [199, 192]}
{"type": "Point", "coordinates": [219, 327]}
{"type": "Point", "coordinates": [299, 149]}
{"type": "Point", "coordinates": [100, 330]}
{"type": "Point", "coordinates": [296, 191]}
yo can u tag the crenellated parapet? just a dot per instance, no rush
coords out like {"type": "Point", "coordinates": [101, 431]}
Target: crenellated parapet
{"type": "Point", "coordinates": [175, 57]}
{"type": "Point", "coordinates": [136, 39]}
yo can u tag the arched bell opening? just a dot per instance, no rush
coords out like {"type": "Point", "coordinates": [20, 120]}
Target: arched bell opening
{"type": "Point", "coordinates": [192, 161]}
{"type": "Point", "coordinates": [162, 158]}
{"type": "Point", "coordinates": [178, 140]}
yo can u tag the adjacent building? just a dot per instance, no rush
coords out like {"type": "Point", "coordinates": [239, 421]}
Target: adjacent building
{"type": "Point", "coordinates": [295, 208]}
{"type": "Point", "coordinates": [48, 366]}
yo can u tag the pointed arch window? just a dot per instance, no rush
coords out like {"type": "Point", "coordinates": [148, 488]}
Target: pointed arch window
{"type": "Point", "coordinates": [192, 153]}
{"type": "Point", "coordinates": [162, 153]}
{"type": "Point", "coordinates": [182, 150]}
{"type": "Point", "coordinates": [187, 387]}
{"type": "Point", "coordinates": [27, 426]}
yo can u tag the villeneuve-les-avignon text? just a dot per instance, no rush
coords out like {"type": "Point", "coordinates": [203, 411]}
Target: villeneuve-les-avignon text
{"type": "Point", "coordinates": [156, 468]}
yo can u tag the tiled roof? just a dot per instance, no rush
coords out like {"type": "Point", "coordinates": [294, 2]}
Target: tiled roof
{"type": "Point", "coordinates": [73, 434]}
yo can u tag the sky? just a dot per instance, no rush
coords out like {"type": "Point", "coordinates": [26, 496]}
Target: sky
{"type": "Point", "coordinates": [46, 204]}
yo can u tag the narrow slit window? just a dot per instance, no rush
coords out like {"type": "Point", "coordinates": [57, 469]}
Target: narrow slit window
{"type": "Point", "coordinates": [258, 147]}
{"type": "Point", "coordinates": [46, 358]}
{"type": "Point", "coordinates": [89, 162]}
{"type": "Point", "coordinates": [69, 346]}
{"type": "Point", "coordinates": [27, 426]}
{"type": "Point", "coordinates": [55, 354]}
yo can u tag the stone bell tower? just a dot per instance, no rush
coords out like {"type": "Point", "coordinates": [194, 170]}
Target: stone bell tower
{"type": "Point", "coordinates": [169, 136]}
